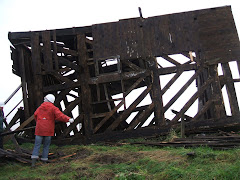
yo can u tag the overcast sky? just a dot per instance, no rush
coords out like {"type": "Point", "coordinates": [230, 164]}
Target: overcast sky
{"type": "Point", "coordinates": [30, 15]}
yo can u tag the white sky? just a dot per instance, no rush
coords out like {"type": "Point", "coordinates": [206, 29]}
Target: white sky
{"type": "Point", "coordinates": [30, 15]}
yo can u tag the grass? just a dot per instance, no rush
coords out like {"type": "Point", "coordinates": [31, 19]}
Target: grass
{"type": "Point", "coordinates": [130, 162]}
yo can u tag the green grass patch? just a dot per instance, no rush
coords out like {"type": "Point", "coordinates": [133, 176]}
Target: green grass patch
{"type": "Point", "coordinates": [133, 162]}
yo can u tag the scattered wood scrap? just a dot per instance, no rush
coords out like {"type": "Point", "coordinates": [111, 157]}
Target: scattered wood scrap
{"type": "Point", "coordinates": [25, 156]}
{"type": "Point", "coordinates": [215, 142]}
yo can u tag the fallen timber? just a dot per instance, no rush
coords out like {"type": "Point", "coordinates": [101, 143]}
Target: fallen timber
{"type": "Point", "coordinates": [215, 142]}
{"type": "Point", "coordinates": [102, 75]}
{"type": "Point", "coordinates": [25, 156]}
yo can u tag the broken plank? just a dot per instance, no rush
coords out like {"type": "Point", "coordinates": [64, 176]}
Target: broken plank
{"type": "Point", "coordinates": [126, 113]}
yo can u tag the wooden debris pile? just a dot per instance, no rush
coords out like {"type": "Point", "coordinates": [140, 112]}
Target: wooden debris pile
{"type": "Point", "coordinates": [25, 156]}
{"type": "Point", "coordinates": [215, 142]}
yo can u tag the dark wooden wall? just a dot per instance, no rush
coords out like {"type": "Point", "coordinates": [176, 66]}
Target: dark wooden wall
{"type": "Point", "coordinates": [73, 64]}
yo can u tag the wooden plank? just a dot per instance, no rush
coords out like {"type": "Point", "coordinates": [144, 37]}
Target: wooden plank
{"type": "Point", "coordinates": [219, 109]}
{"type": "Point", "coordinates": [36, 66]}
{"type": "Point", "coordinates": [156, 92]}
{"type": "Point", "coordinates": [60, 96]}
{"type": "Point", "coordinates": [12, 122]}
{"type": "Point", "coordinates": [188, 55]}
{"type": "Point", "coordinates": [184, 67]}
{"type": "Point", "coordinates": [15, 36]}
{"type": "Point", "coordinates": [24, 83]}
{"type": "Point", "coordinates": [206, 95]}
{"type": "Point", "coordinates": [55, 56]}
{"type": "Point", "coordinates": [182, 126]}
{"type": "Point", "coordinates": [107, 97]}
{"type": "Point", "coordinates": [16, 131]}
{"type": "Point", "coordinates": [238, 66]}
{"type": "Point", "coordinates": [85, 89]}
{"type": "Point", "coordinates": [192, 99]}
{"type": "Point", "coordinates": [16, 155]}
{"type": "Point", "coordinates": [203, 110]}
{"type": "Point", "coordinates": [26, 122]}
{"type": "Point", "coordinates": [68, 112]}
{"type": "Point", "coordinates": [142, 116]}
{"type": "Point", "coordinates": [132, 65]}
{"type": "Point", "coordinates": [66, 62]}
{"type": "Point", "coordinates": [110, 77]}
{"type": "Point", "coordinates": [60, 77]}
{"type": "Point", "coordinates": [60, 87]}
{"type": "Point", "coordinates": [174, 78]}
{"type": "Point", "coordinates": [67, 51]}
{"type": "Point", "coordinates": [66, 131]}
{"type": "Point", "coordinates": [186, 117]}
{"type": "Point", "coordinates": [213, 124]}
{"type": "Point", "coordinates": [178, 94]}
{"type": "Point", "coordinates": [126, 113]}
{"type": "Point", "coordinates": [171, 60]}
{"type": "Point", "coordinates": [110, 114]}
{"type": "Point", "coordinates": [47, 53]}
{"type": "Point", "coordinates": [232, 96]}
{"type": "Point", "coordinates": [143, 120]}
{"type": "Point", "coordinates": [30, 81]}
{"type": "Point", "coordinates": [131, 38]}
{"type": "Point", "coordinates": [72, 105]}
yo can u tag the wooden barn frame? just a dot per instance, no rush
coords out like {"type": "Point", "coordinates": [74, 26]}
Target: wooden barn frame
{"type": "Point", "coordinates": [86, 67]}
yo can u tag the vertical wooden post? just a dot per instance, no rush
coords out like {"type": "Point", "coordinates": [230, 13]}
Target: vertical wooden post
{"type": "Point", "coordinates": [36, 66]}
{"type": "Point", "coordinates": [55, 57]}
{"type": "Point", "coordinates": [47, 53]}
{"type": "Point", "coordinates": [219, 110]}
{"type": "Point", "coordinates": [85, 89]}
{"type": "Point", "coordinates": [29, 80]}
{"type": "Point", "coordinates": [156, 92]}
{"type": "Point", "coordinates": [238, 65]}
{"type": "Point", "coordinates": [230, 89]}
{"type": "Point", "coordinates": [182, 126]}
{"type": "Point", "coordinates": [24, 83]}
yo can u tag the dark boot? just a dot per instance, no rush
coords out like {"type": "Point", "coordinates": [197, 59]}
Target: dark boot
{"type": "Point", "coordinates": [34, 160]}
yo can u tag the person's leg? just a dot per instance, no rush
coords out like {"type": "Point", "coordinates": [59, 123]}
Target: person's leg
{"type": "Point", "coordinates": [35, 153]}
{"type": "Point", "coordinates": [46, 144]}
{"type": "Point", "coordinates": [37, 145]}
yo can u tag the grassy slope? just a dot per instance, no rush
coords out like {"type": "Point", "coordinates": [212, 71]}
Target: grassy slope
{"type": "Point", "coordinates": [130, 162]}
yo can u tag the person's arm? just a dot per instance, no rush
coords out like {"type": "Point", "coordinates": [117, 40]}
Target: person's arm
{"type": "Point", "coordinates": [35, 115]}
{"type": "Point", "coordinates": [59, 116]}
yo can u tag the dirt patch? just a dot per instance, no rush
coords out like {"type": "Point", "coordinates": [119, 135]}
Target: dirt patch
{"type": "Point", "coordinates": [59, 170]}
{"type": "Point", "coordinates": [110, 158]}
{"type": "Point", "coordinates": [161, 155]}
{"type": "Point", "coordinates": [107, 175]}
{"type": "Point", "coordinates": [84, 172]}
{"type": "Point", "coordinates": [78, 154]}
{"type": "Point", "coordinates": [82, 153]}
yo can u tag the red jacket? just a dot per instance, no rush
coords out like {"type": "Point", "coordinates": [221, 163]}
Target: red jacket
{"type": "Point", "coordinates": [45, 117]}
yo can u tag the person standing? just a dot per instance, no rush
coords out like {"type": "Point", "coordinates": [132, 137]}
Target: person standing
{"type": "Point", "coordinates": [1, 123]}
{"type": "Point", "coordinates": [45, 117]}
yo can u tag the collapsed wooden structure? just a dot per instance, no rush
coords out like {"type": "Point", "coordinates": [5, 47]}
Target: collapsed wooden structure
{"type": "Point", "coordinates": [102, 74]}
